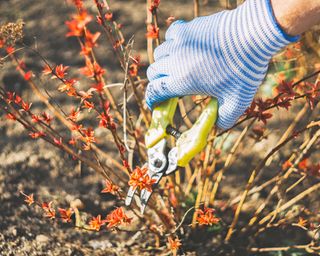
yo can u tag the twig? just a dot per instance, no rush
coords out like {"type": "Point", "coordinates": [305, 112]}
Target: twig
{"type": "Point", "coordinates": [196, 8]}
{"type": "Point", "coordinates": [291, 127]}
{"type": "Point", "coordinates": [183, 113]}
{"type": "Point", "coordinates": [182, 220]}
{"type": "Point", "coordinates": [227, 162]}
{"type": "Point", "coordinates": [303, 177]}
{"type": "Point", "coordinates": [281, 177]}
{"type": "Point", "coordinates": [127, 54]}
{"type": "Point", "coordinates": [307, 248]}
{"type": "Point", "coordinates": [149, 40]}
{"type": "Point", "coordinates": [198, 199]}
{"type": "Point", "coordinates": [256, 171]}
{"type": "Point", "coordinates": [291, 202]}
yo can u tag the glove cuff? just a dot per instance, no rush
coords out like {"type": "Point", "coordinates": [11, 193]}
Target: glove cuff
{"type": "Point", "coordinates": [279, 30]}
{"type": "Point", "coordinates": [268, 35]}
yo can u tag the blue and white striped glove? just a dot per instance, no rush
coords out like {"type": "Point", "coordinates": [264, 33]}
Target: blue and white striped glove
{"type": "Point", "coordinates": [225, 55]}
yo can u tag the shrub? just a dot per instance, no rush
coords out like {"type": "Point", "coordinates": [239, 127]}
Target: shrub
{"type": "Point", "coordinates": [192, 200]}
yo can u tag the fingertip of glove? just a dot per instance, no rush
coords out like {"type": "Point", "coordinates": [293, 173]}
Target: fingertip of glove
{"type": "Point", "coordinates": [173, 28]}
{"type": "Point", "coordinates": [148, 97]}
{"type": "Point", "coordinates": [148, 72]}
{"type": "Point", "coordinates": [149, 104]}
{"type": "Point", "coordinates": [178, 22]}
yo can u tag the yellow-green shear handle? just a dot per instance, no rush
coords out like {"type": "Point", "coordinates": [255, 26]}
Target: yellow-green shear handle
{"type": "Point", "coordinates": [192, 141]}
{"type": "Point", "coordinates": [162, 116]}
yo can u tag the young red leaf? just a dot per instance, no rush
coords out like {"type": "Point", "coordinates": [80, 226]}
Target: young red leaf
{"type": "Point", "coordinates": [65, 214]}
{"type": "Point", "coordinates": [152, 31]}
{"type": "Point", "coordinates": [28, 198]}
{"type": "Point", "coordinates": [49, 211]}
{"type": "Point", "coordinates": [206, 216]}
{"type": "Point", "coordinates": [11, 116]}
{"type": "Point", "coordinates": [116, 218]}
{"type": "Point", "coordinates": [27, 76]}
{"type": "Point", "coordinates": [26, 106]}
{"type": "Point", "coordinates": [110, 188]}
{"type": "Point", "coordinates": [174, 245]}
{"type": "Point", "coordinates": [139, 178]}
{"type": "Point", "coordinates": [47, 70]}
{"type": "Point", "coordinates": [96, 223]}
{"type": "Point", "coordinates": [36, 135]}
{"type": "Point", "coordinates": [60, 71]}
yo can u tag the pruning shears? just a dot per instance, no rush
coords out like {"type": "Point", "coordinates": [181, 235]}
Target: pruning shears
{"type": "Point", "coordinates": [163, 161]}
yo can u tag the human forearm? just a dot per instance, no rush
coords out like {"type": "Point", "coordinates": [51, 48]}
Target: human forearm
{"type": "Point", "coordinates": [296, 16]}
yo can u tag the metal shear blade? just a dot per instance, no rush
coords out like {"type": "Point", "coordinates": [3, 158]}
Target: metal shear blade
{"type": "Point", "coordinates": [158, 164]}
{"type": "Point", "coordinates": [146, 194]}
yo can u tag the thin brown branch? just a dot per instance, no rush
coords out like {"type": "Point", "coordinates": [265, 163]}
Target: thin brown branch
{"type": "Point", "coordinates": [256, 171]}
{"type": "Point", "coordinates": [291, 202]}
{"type": "Point", "coordinates": [196, 8]}
{"type": "Point", "coordinates": [308, 248]}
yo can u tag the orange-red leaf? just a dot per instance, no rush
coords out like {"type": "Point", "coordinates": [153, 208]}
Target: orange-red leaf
{"type": "Point", "coordinates": [139, 178]}
{"type": "Point", "coordinates": [287, 164]}
{"type": "Point", "coordinates": [60, 71]}
{"type": "Point", "coordinates": [174, 245]}
{"type": "Point", "coordinates": [77, 24]}
{"type": "Point", "coordinates": [110, 188]}
{"type": "Point", "coordinates": [152, 31]}
{"type": "Point", "coordinates": [87, 104]}
{"type": "Point", "coordinates": [96, 223]}
{"type": "Point", "coordinates": [303, 165]}
{"type": "Point", "coordinates": [65, 214]}
{"type": "Point", "coordinates": [28, 198]}
{"type": "Point", "coordinates": [27, 76]}
{"type": "Point", "coordinates": [49, 211]}
{"type": "Point", "coordinates": [10, 49]}
{"type": "Point", "coordinates": [26, 106]}
{"type": "Point", "coordinates": [91, 39]}
{"type": "Point", "coordinates": [206, 217]}
{"type": "Point", "coordinates": [117, 217]}
{"type": "Point", "coordinates": [11, 116]}
{"type": "Point", "coordinates": [36, 135]}
{"type": "Point", "coordinates": [47, 70]}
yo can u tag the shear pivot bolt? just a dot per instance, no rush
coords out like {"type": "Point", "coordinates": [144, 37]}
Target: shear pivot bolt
{"type": "Point", "coordinates": [157, 163]}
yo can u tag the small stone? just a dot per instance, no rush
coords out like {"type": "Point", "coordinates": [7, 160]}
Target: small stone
{"type": "Point", "coordinates": [77, 203]}
{"type": "Point", "coordinates": [102, 245]}
{"type": "Point", "coordinates": [12, 231]}
{"type": "Point", "coordinates": [42, 239]}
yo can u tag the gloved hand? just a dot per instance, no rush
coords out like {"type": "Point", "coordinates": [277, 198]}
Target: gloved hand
{"type": "Point", "coordinates": [225, 55]}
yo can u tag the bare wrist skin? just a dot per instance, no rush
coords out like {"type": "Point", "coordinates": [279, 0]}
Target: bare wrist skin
{"type": "Point", "coordinates": [296, 16]}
